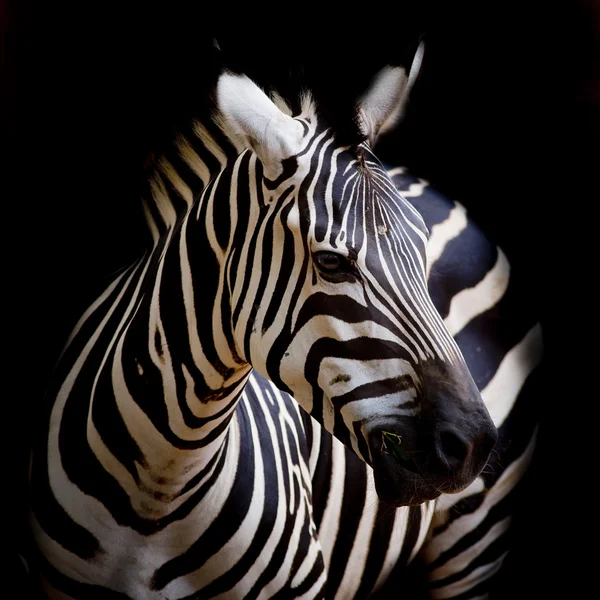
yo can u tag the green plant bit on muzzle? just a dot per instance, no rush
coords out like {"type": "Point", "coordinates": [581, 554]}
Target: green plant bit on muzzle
{"type": "Point", "coordinates": [391, 443]}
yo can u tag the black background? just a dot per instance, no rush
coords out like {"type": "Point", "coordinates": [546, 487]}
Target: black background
{"type": "Point", "coordinates": [504, 118]}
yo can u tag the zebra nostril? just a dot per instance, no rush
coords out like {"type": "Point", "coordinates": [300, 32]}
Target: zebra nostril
{"type": "Point", "coordinates": [451, 448]}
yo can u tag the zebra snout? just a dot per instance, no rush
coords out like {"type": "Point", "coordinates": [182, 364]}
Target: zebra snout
{"type": "Point", "coordinates": [416, 462]}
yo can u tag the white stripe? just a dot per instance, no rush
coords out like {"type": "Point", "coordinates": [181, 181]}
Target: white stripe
{"type": "Point", "coordinates": [357, 559]}
{"type": "Point", "coordinates": [329, 192]}
{"type": "Point", "coordinates": [189, 156]}
{"type": "Point", "coordinates": [444, 232]}
{"type": "Point", "coordinates": [210, 144]}
{"type": "Point", "coordinates": [471, 302]}
{"type": "Point", "coordinates": [414, 189]}
{"type": "Point", "coordinates": [162, 200]}
{"type": "Point", "coordinates": [315, 448]}
{"type": "Point", "coordinates": [399, 317]}
{"type": "Point", "coordinates": [470, 581]}
{"type": "Point", "coordinates": [462, 560]}
{"type": "Point", "coordinates": [501, 392]}
{"type": "Point", "coordinates": [395, 544]}
{"type": "Point", "coordinates": [427, 512]}
{"type": "Point", "coordinates": [173, 176]}
{"type": "Point", "coordinates": [396, 171]}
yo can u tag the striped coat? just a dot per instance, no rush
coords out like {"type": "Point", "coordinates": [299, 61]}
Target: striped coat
{"type": "Point", "coordinates": [171, 469]}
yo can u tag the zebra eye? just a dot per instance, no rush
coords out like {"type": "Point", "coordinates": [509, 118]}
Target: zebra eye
{"type": "Point", "coordinates": [329, 261]}
{"type": "Point", "coordinates": [335, 267]}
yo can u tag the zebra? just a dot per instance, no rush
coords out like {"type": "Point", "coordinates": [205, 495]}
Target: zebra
{"type": "Point", "coordinates": [268, 404]}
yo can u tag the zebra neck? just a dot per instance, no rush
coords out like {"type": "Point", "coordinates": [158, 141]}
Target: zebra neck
{"type": "Point", "coordinates": [176, 178]}
{"type": "Point", "coordinates": [179, 461]}
{"type": "Point", "coordinates": [180, 376]}
{"type": "Point", "coordinates": [172, 384]}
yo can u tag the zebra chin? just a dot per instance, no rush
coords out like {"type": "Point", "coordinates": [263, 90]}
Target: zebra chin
{"type": "Point", "coordinates": [400, 486]}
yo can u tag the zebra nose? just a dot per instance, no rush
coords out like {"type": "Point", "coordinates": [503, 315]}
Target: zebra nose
{"type": "Point", "coordinates": [451, 448]}
{"type": "Point", "coordinates": [457, 450]}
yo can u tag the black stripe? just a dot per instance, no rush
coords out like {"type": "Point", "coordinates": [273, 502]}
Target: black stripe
{"type": "Point", "coordinates": [352, 506]}
{"type": "Point", "coordinates": [374, 390]}
{"type": "Point", "coordinates": [397, 579]}
{"type": "Point", "coordinates": [322, 217]}
{"type": "Point", "coordinates": [221, 204]}
{"type": "Point", "coordinates": [200, 475]}
{"type": "Point", "coordinates": [349, 311]}
{"type": "Point", "coordinates": [285, 268]}
{"type": "Point", "coordinates": [235, 268]}
{"type": "Point", "coordinates": [266, 259]}
{"type": "Point", "coordinates": [378, 546]}
{"type": "Point", "coordinates": [322, 477]}
{"type": "Point", "coordinates": [412, 534]}
{"type": "Point", "coordinates": [281, 343]}
{"type": "Point", "coordinates": [465, 261]}
{"type": "Point", "coordinates": [51, 516]}
{"type": "Point", "coordinates": [290, 166]}
{"type": "Point", "coordinates": [246, 279]}
{"type": "Point", "coordinates": [486, 339]}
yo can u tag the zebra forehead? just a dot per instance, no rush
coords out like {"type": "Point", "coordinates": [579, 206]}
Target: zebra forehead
{"type": "Point", "coordinates": [340, 186]}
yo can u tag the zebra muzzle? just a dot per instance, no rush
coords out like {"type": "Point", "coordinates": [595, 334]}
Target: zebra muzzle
{"type": "Point", "coordinates": [412, 466]}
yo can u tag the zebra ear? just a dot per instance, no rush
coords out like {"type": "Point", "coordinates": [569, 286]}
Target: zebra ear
{"type": "Point", "coordinates": [383, 102]}
{"type": "Point", "coordinates": [398, 112]}
{"type": "Point", "coordinates": [252, 119]}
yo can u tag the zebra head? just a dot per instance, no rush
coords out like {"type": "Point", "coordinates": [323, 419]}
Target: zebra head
{"type": "Point", "coordinates": [329, 294]}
